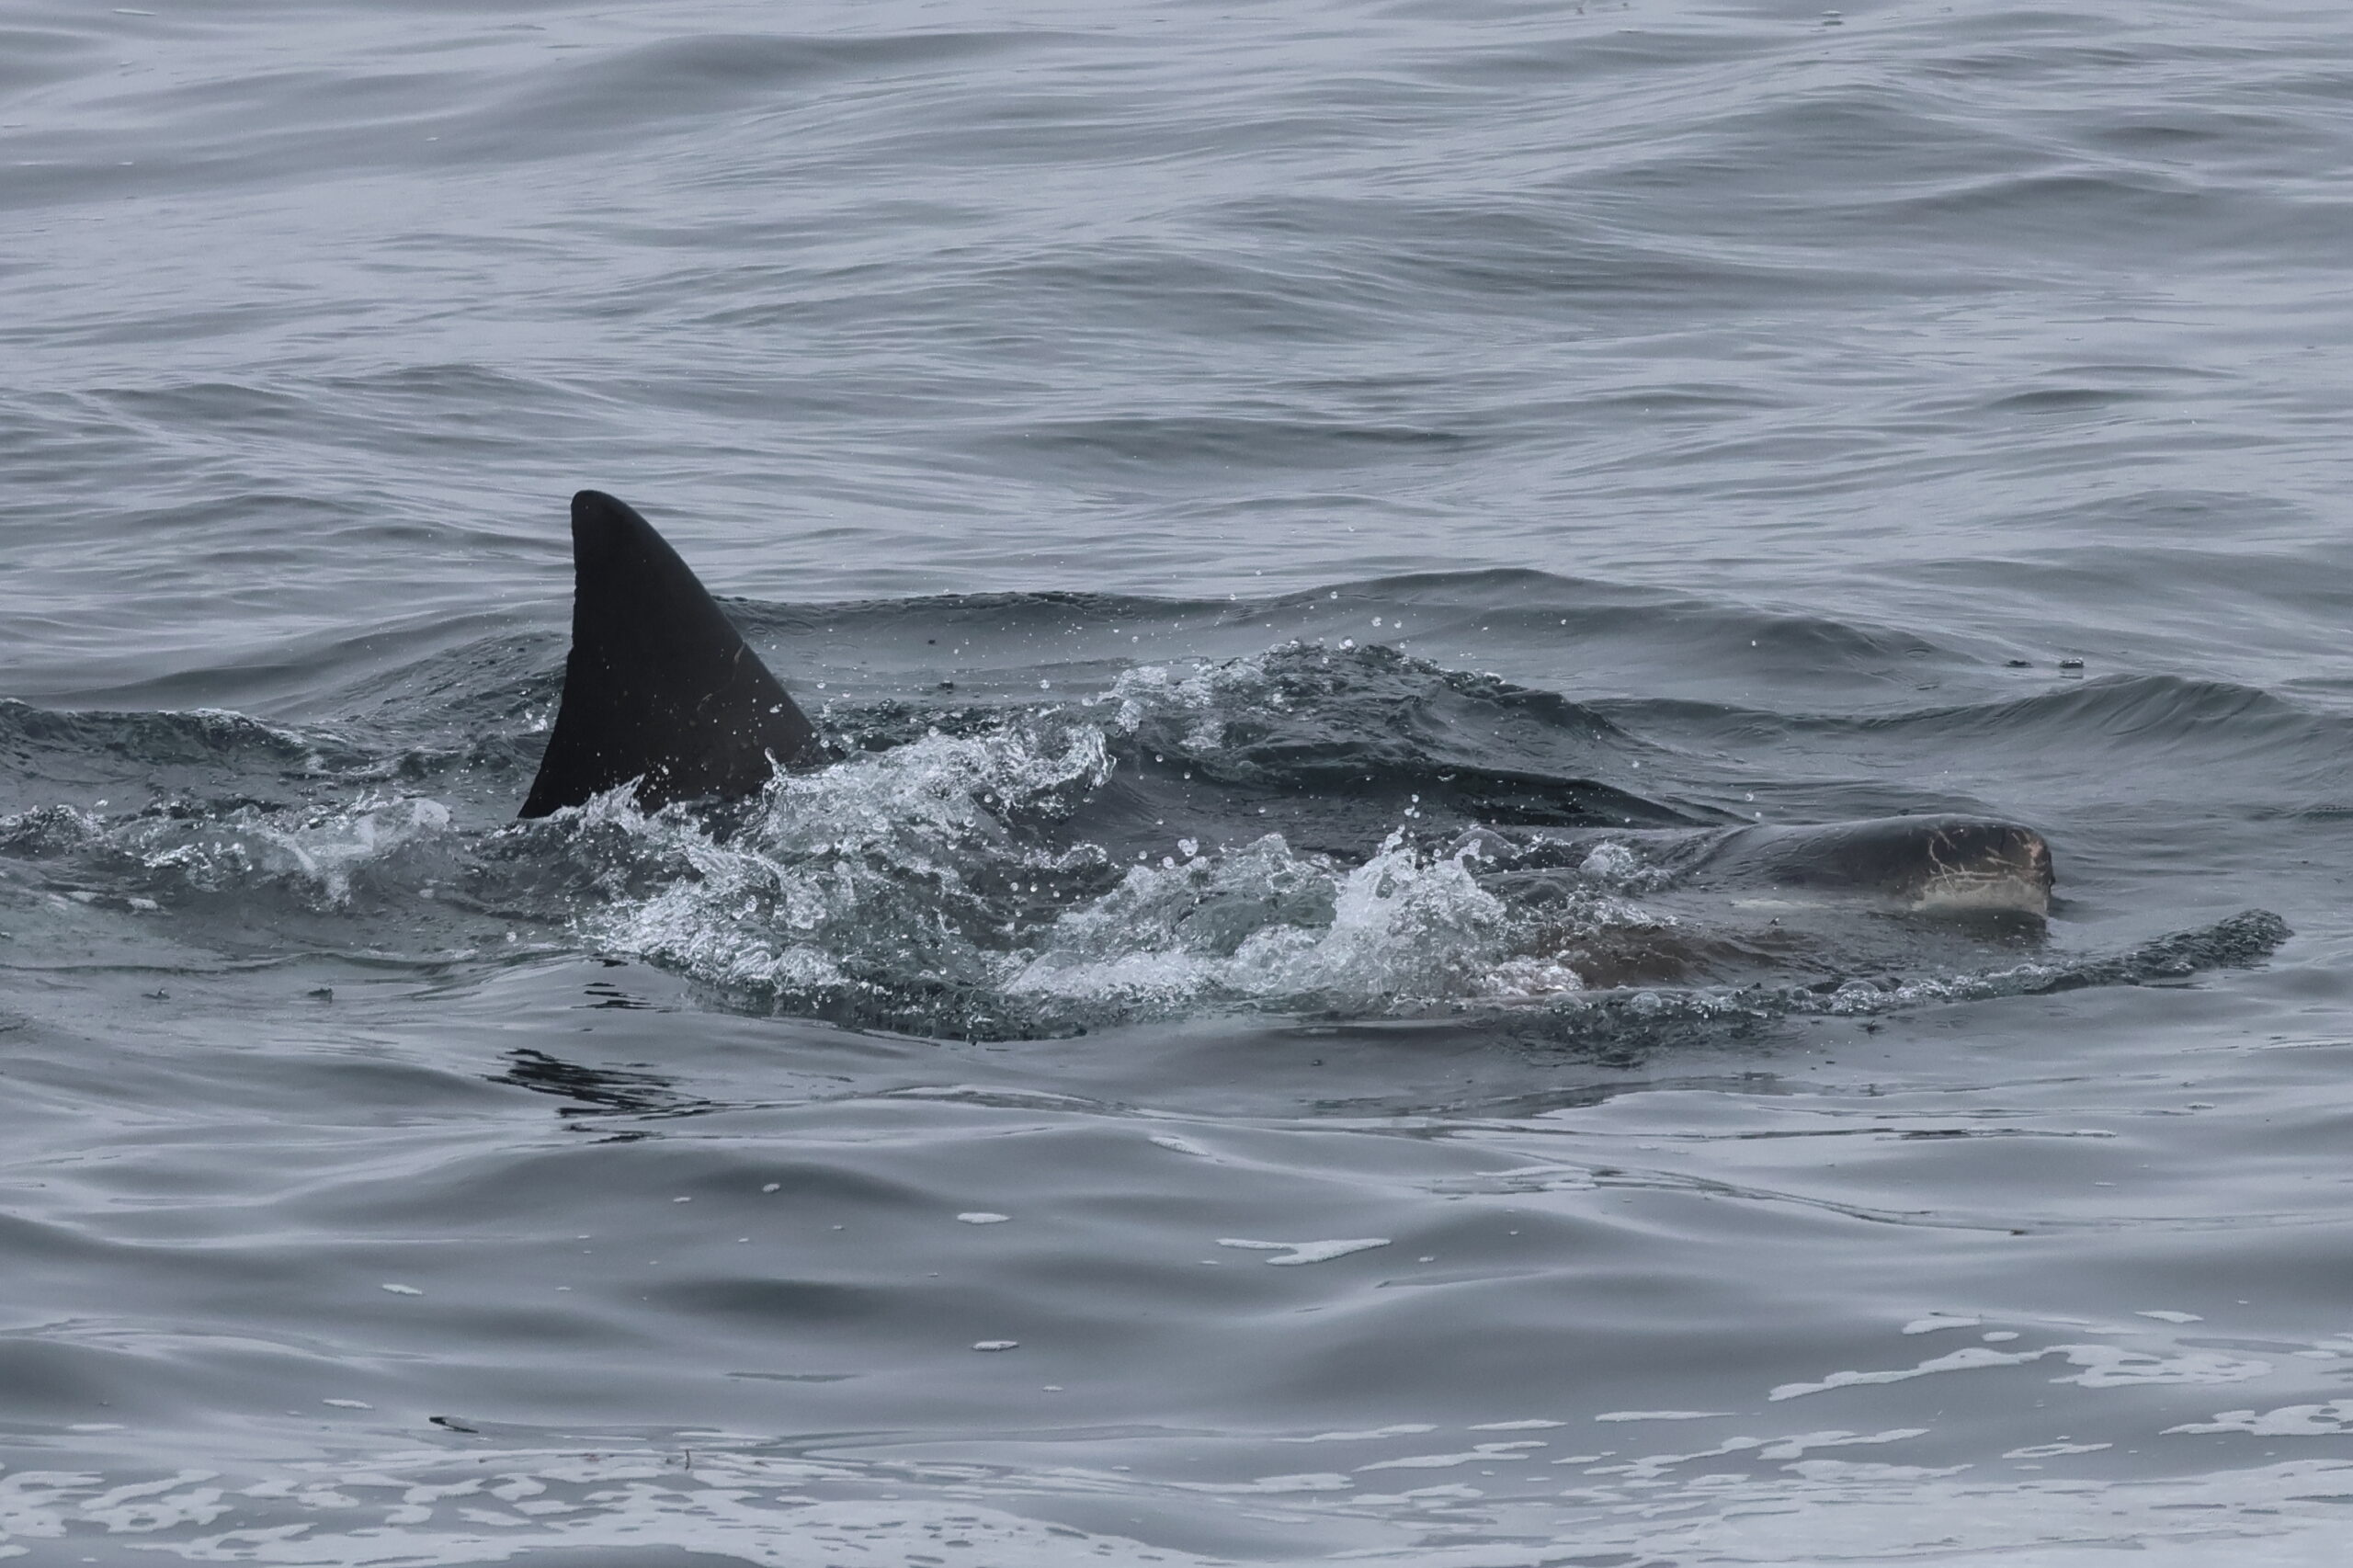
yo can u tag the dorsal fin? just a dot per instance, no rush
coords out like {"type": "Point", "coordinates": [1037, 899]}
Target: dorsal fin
{"type": "Point", "coordinates": [660, 686]}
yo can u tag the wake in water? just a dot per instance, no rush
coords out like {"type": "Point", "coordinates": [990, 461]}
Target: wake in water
{"type": "Point", "coordinates": [1311, 831]}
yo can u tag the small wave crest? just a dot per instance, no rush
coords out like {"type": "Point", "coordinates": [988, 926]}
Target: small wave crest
{"type": "Point", "coordinates": [326, 856]}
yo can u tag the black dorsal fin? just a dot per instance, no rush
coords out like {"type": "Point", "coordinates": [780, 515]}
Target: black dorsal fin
{"type": "Point", "coordinates": [660, 686]}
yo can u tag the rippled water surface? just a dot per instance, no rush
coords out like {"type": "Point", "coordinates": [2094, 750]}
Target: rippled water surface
{"type": "Point", "coordinates": [1301, 523]}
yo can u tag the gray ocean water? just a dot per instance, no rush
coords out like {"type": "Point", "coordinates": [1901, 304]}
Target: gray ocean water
{"type": "Point", "coordinates": [1217, 472]}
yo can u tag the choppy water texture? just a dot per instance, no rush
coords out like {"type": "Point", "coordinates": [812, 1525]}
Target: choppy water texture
{"type": "Point", "coordinates": [1293, 516]}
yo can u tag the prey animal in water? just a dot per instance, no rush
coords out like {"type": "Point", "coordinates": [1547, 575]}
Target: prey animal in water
{"type": "Point", "coordinates": [661, 693]}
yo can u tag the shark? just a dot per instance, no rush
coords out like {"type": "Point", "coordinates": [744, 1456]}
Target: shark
{"type": "Point", "coordinates": [663, 695]}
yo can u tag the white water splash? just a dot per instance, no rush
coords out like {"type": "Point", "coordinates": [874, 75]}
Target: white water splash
{"type": "Point", "coordinates": [322, 853]}
{"type": "Point", "coordinates": [1266, 925]}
